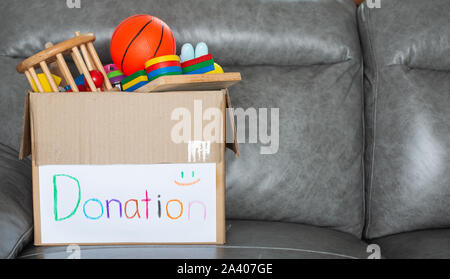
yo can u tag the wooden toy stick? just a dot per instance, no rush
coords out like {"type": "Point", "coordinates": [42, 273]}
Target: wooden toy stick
{"type": "Point", "coordinates": [49, 76]}
{"type": "Point", "coordinates": [76, 64]}
{"type": "Point", "coordinates": [28, 75]}
{"type": "Point", "coordinates": [66, 72]}
{"type": "Point", "coordinates": [53, 65]}
{"type": "Point", "coordinates": [99, 65]}
{"type": "Point", "coordinates": [54, 69]}
{"type": "Point", "coordinates": [84, 69]}
{"type": "Point", "coordinates": [64, 69]}
{"type": "Point", "coordinates": [86, 57]}
{"type": "Point", "coordinates": [94, 65]}
{"type": "Point", "coordinates": [36, 80]}
{"type": "Point", "coordinates": [84, 52]}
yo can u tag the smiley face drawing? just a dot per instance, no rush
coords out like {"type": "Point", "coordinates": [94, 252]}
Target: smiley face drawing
{"type": "Point", "coordinates": [183, 176]}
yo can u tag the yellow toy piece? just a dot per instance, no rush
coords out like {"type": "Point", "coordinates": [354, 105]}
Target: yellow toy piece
{"type": "Point", "coordinates": [161, 59]}
{"type": "Point", "coordinates": [43, 80]}
{"type": "Point", "coordinates": [134, 82]}
{"type": "Point", "coordinates": [217, 69]}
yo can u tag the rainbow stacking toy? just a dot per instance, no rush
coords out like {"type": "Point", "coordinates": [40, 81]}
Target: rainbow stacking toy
{"type": "Point", "coordinates": [163, 66]}
{"type": "Point", "coordinates": [134, 81]}
{"type": "Point", "coordinates": [114, 75]}
{"type": "Point", "coordinates": [200, 65]}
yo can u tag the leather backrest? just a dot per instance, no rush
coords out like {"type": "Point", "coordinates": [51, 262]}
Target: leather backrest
{"type": "Point", "coordinates": [406, 47]}
{"type": "Point", "coordinates": [238, 32]}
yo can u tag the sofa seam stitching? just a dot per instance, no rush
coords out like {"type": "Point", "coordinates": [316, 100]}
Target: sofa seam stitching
{"type": "Point", "coordinates": [375, 99]}
{"type": "Point", "coordinates": [363, 213]}
{"type": "Point", "coordinates": [372, 190]}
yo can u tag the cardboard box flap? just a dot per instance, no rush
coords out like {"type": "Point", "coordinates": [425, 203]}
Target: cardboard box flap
{"type": "Point", "coordinates": [25, 141]}
{"type": "Point", "coordinates": [231, 139]}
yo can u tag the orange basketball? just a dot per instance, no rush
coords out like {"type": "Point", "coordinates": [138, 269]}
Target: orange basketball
{"type": "Point", "coordinates": [138, 39]}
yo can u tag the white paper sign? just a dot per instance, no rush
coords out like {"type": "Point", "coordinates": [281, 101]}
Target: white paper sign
{"type": "Point", "coordinates": [128, 203]}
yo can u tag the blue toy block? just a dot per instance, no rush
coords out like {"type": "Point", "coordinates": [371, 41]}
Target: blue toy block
{"type": "Point", "coordinates": [79, 80]}
{"type": "Point", "coordinates": [202, 70]}
{"type": "Point", "coordinates": [164, 71]}
{"type": "Point", "coordinates": [136, 86]}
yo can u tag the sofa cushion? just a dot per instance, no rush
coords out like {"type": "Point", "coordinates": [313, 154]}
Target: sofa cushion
{"type": "Point", "coordinates": [315, 174]}
{"type": "Point", "coordinates": [427, 244]}
{"type": "Point", "coordinates": [410, 33]}
{"type": "Point", "coordinates": [16, 214]}
{"type": "Point", "coordinates": [244, 32]}
{"type": "Point", "coordinates": [407, 107]}
{"type": "Point", "coordinates": [245, 239]}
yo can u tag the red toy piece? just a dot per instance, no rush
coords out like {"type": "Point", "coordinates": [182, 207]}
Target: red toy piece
{"type": "Point", "coordinates": [82, 88]}
{"type": "Point", "coordinates": [97, 77]}
{"type": "Point", "coordinates": [196, 60]}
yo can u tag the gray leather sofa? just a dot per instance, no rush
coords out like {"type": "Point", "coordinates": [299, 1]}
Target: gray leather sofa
{"type": "Point", "coordinates": [364, 101]}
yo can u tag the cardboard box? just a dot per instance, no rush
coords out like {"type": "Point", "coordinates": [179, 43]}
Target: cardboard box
{"type": "Point", "coordinates": [106, 168]}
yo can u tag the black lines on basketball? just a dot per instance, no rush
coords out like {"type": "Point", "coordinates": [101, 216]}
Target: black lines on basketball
{"type": "Point", "coordinates": [160, 40]}
{"type": "Point", "coordinates": [140, 31]}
